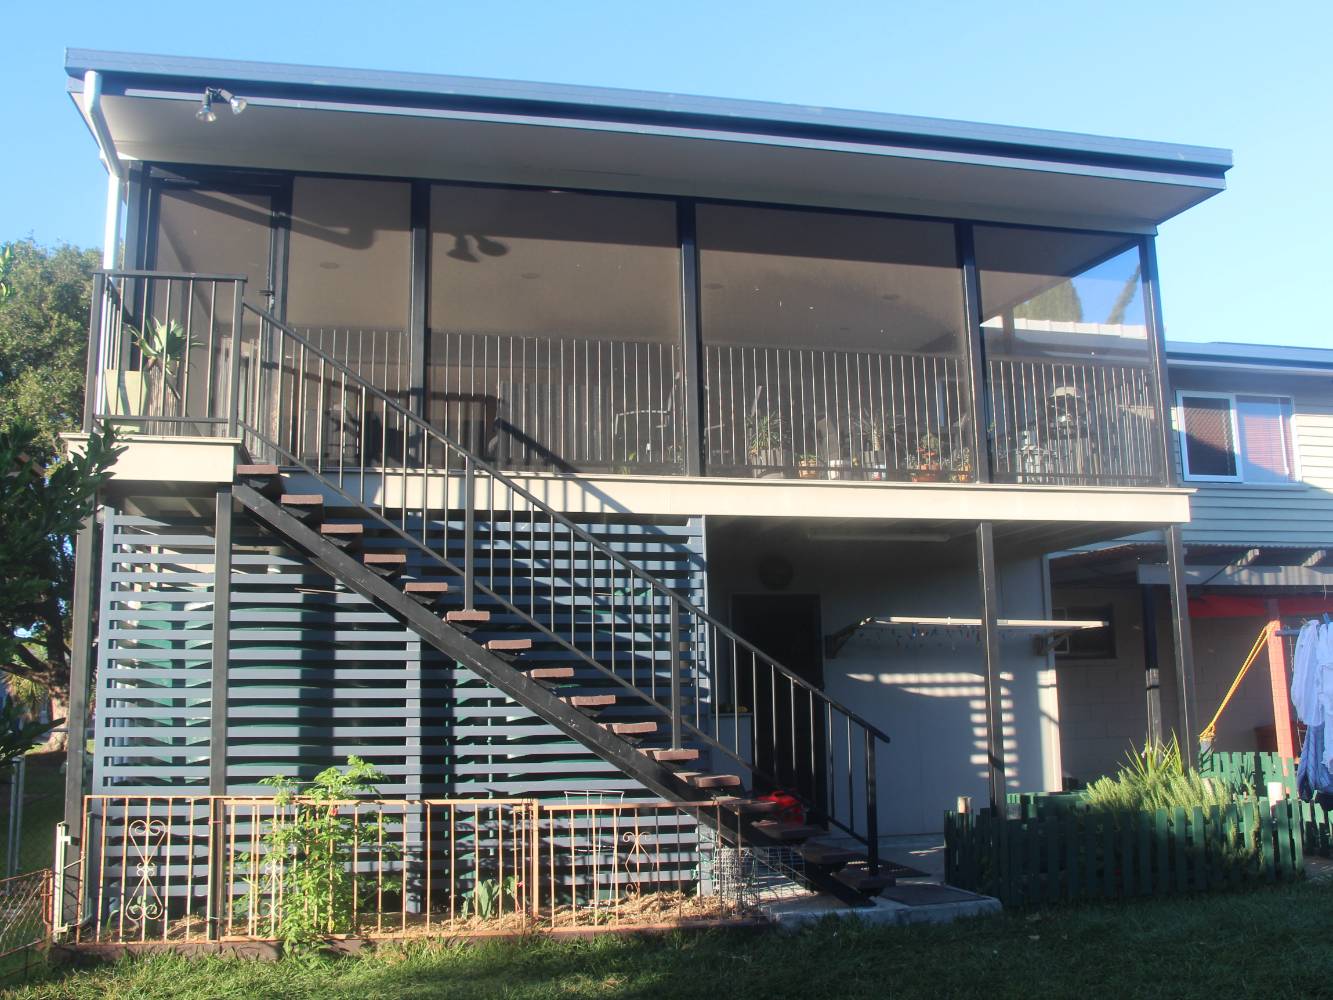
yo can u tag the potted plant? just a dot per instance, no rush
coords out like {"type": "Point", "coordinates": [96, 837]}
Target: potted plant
{"type": "Point", "coordinates": [807, 466]}
{"type": "Point", "coordinates": [763, 438]}
{"type": "Point", "coordinates": [928, 464]}
{"type": "Point", "coordinates": [960, 467]}
{"type": "Point", "coordinates": [161, 345]}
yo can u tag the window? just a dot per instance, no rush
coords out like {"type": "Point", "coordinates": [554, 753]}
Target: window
{"type": "Point", "coordinates": [1236, 438]}
{"type": "Point", "coordinates": [1087, 643]}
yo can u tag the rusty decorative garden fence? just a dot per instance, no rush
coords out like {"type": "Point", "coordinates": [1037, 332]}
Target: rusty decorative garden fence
{"type": "Point", "coordinates": [193, 868]}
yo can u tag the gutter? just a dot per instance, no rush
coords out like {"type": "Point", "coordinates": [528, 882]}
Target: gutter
{"type": "Point", "coordinates": [92, 107]}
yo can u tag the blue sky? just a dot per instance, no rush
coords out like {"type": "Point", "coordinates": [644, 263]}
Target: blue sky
{"type": "Point", "coordinates": [1246, 266]}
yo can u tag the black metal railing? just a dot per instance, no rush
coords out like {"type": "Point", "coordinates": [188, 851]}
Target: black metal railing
{"type": "Point", "coordinates": [591, 603]}
{"type": "Point", "coordinates": [161, 352]}
{"type": "Point", "coordinates": [1067, 422]}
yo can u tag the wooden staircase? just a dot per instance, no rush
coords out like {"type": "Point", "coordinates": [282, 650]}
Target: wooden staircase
{"type": "Point", "coordinates": [505, 647]}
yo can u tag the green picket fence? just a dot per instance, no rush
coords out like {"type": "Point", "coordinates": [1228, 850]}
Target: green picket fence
{"type": "Point", "coordinates": [1251, 769]}
{"type": "Point", "coordinates": [1078, 854]}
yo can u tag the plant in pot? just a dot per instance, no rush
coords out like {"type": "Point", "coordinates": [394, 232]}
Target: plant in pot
{"type": "Point", "coordinates": [807, 466]}
{"type": "Point", "coordinates": [763, 439]}
{"type": "Point", "coordinates": [161, 345]}
{"type": "Point", "coordinates": [928, 464]}
{"type": "Point", "coordinates": [960, 467]}
{"type": "Point", "coordinates": [873, 460]}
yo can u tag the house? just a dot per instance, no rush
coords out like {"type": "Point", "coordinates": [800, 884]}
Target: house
{"type": "Point", "coordinates": [555, 442]}
{"type": "Point", "coordinates": [1252, 427]}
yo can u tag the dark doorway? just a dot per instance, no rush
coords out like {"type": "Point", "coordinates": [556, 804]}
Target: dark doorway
{"type": "Point", "coordinates": [789, 719]}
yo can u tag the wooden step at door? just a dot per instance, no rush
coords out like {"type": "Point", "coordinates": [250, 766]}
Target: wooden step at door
{"type": "Point", "coordinates": [264, 479]}
{"type": "Point", "coordinates": [672, 756]}
{"type": "Point", "coordinates": [791, 832]}
{"type": "Point", "coordinates": [700, 779]}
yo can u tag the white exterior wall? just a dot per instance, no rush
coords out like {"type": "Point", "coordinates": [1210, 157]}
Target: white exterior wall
{"type": "Point", "coordinates": [1103, 704]}
{"type": "Point", "coordinates": [927, 694]}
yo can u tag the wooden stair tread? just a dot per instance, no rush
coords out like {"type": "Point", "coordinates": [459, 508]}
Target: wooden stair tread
{"type": "Point", "coordinates": [862, 881]}
{"type": "Point", "coordinates": [590, 700]}
{"type": "Point", "coordinates": [704, 779]}
{"type": "Point", "coordinates": [467, 616]}
{"type": "Point", "coordinates": [779, 830]}
{"type": "Point", "coordinates": [301, 500]}
{"type": "Point", "coordinates": [342, 528]}
{"type": "Point", "coordinates": [667, 756]}
{"type": "Point", "coordinates": [828, 854]}
{"type": "Point", "coordinates": [508, 645]}
{"type": "Point", "coordinates": [630, 728]}
{"type": "Point", "coordinates": [550, 673]}
{"type": "Point", "coordinates": [743, 805]}
{"type": "Point", "coordinates": [384, 558]}
{"type": "Point", "coordinates": [426, 587]}
{"type": "Point", "coordinates": [256, 471]}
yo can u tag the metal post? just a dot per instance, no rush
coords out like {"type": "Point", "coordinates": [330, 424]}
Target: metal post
{"type": "Point", "coordinates": [234, 376]}
{"type": "Point", "coordinates": [217, 733]}
{"type": "Point", "coordinates": [17, 773]}
{"type": "Point", "coordinates": [1186, 702]}
{"type": "Point", "coordinates": [974, 346]}
{"type": "Point", "coordinates": [673, 623]}
{"type": "Point", "coordinates": [990, 633]}
{"type": "Point", "coordinates": [93, 369]}
{"type": "Point", "coordinates": [872, 806]}
{"type": "Point", "coordinates": [695, 443]}
{"type": "Point", "coordinates": [1152, 674]}
{"type": "Point", "coordinates": [1279, 679]}
{"type": "Point", "coordinates": [1152, 301]}
{"type": "Point", "coordinates": [469, 532]}
{"type": "Point", "coordinates": [80, 673]}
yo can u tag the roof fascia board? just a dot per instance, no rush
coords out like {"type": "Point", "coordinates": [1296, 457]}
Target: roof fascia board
{"type": "Point", "coordinates": [561, 103]}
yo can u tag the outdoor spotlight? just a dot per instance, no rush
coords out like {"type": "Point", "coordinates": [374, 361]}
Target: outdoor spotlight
{"type": "Point", "coordinates": [211, 94]}
{"type": "Point", "coordinates": [206, 112]}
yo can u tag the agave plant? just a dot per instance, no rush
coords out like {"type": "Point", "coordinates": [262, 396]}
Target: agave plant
{"type": "Point", "coordinates": [1156, 778]}
{"type": "Point", "coordinates": [162, 343]}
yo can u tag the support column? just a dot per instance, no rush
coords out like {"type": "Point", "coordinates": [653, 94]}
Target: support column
{"type": "Point", "coordinates": [217, 725]}
{"type": "Point", "coordinates": [1279, 678]}
{"type": "Point", "coordinates": [80, 677]}
{"type": "Point", "coordinates": [990, 637]}
{"type": "Point", "coordinates": [1152, 673]}
{"type": "Point", "coordinates": [693, 390]}
{"type": "Point", "coordinates": [1186, 702]}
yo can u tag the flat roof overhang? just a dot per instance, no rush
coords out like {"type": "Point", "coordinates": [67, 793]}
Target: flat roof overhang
{"type": "Point", "coordinates": [1233, 568]}
{"type": "Point", "coordinates": [457, 128]}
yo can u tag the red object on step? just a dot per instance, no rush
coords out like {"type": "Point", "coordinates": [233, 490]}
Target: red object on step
{"type": "Point", "coordinates": [789, 808]}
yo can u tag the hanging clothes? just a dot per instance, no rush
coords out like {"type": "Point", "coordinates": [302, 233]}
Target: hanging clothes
{"type": "Point", "coordinates": [1324, 660]}
{"type": "Point", "coordinates": [1313, 779]}
{"type": "Point", "coordinates": [1305, 677]}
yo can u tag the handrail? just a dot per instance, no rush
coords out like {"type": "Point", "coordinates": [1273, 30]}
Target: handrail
{"type": "Point", "coordinates": [574, 528]}
{"type": "Point", "coordinates": [172, 275]}
{"type": "Point", "coordinates": [337, 388]}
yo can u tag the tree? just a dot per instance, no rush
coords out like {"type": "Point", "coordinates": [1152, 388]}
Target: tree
{"type": "Point", "coordinates": [1059, 303]}
{"type": "Point", "coordinates": [44, 339]}
{"type": "Point", "coordinates": [41, 509]}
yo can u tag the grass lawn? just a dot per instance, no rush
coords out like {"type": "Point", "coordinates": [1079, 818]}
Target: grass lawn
{"type": "Point", "coordinates": [1268, 943]}
{"type": "Point", "coordinates": [43, 808]}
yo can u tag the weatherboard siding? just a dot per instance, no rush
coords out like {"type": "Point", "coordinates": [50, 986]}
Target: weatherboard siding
{"type": "Point", "coordinates": [1243, 514]}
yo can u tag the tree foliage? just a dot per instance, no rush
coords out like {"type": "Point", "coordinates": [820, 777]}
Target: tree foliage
{"type": "Point", "coordinates": [44, 338]}
{"type": "Point", "coordinates": [41, 508]}
{"type": "Point", "coordinates": [1059, 303]}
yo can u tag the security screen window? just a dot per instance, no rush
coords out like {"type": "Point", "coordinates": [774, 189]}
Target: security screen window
{"type": "Point", "coordinates": [1237, 438]}
{"type": "Point", "coordinates": [832, 346]}
{"type": "Point", "coordinates": [555, 329]}
{"type": "Point", "coordinates": [1067, 357]}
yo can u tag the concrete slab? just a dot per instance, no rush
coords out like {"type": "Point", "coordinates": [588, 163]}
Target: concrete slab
{"type": "Point", "coordinates": [942, 906]}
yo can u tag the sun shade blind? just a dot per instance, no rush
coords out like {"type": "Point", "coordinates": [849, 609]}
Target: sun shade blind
{"type": "Point", "coordinates": [1209, 447]}
{"type": "Point", "coordinates": [1264, 441]}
